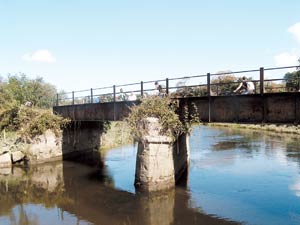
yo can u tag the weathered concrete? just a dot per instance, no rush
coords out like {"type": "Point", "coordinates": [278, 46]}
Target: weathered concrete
{"type": "Point", "coordinates": [81, 142]}
{"type": "Point", "coordinates": [256, 108]}
{"type": "Point", "coordinates": [159, 163]}
{"type": "Point", "coordinates": [17, 156]}
{"type": "Point", "coordinates": [181, 156]}
{"type": "Point", "coordinates": [48, 147]}
{"type": "Point", "coordinates": [154, 166]}
{"type": "Point", "coordinates": [5, 171]}
{"type": "Point", "coordinates": [5, 160]}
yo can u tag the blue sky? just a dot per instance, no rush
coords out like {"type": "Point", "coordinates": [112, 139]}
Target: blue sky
{"type": "Point", "coordinates": [79, 44]}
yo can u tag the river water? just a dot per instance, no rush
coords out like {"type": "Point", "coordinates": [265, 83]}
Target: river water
{"type": "Point", "coordinates": [235, 177]}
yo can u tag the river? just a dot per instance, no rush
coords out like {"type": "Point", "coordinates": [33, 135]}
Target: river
{"type": "Point", "coordinates": [235, 177]}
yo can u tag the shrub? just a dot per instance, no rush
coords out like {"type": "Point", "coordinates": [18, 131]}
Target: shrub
{"type": "Point", "coordinates": [168, 114]}
{"type": "Point", "coordinates": [28, 122]}
{"type": "Point", "coordinates": [32, 122]}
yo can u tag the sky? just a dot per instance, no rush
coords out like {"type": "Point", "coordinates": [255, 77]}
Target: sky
{"type": "Point", "coordinates": [82, 44]}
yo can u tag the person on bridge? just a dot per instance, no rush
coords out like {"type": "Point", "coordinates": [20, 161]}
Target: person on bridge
{"type": "Point", "coordinates": [132, 96]}
{"type": "Point", "coordinates": [246, 86]}
{"type": "Point", "coordinates": [159, 90]}
{"type": "Point", "coordinates": [122, 96]}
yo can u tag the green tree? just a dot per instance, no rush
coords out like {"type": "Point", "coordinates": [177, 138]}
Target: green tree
{"type": "Point", "coordinates": [292, 80]}
{"type": "Point", "coordinates": [8, 107]}
{"type": "Point", "coordinates": [37, 91]}
{"type": "Point", "coordinates": [15, 90]}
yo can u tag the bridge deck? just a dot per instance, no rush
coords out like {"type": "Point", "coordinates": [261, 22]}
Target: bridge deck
{"type": "Point", "coordinates": [256, 108]}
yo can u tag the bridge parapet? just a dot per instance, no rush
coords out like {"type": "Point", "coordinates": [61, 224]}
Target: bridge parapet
{"type": "Point", "coordinates": [256, 108]}
{"type": "Point", "coordinates": [110, 111]}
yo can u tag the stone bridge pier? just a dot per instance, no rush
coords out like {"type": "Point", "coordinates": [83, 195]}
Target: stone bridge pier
{"type": "Point", "coordinates": [160, 162]}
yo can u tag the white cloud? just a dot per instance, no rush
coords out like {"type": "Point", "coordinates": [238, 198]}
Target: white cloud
{"type": "Point", "coordinates": [286, 59]}
{"type": "Point", "coordinates": [296, 187]}
{"type": "Point", "coordinates": [42, 55]}
{"type": "Point", "coordinates": [295, 30]}
{"type": "Point", "coordinates": [290, 58]}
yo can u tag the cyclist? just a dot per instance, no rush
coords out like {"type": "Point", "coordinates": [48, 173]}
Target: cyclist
{"type": "Point", "coordinates": [246, 87]}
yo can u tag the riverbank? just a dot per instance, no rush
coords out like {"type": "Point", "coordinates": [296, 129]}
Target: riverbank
{"type": "Point", "coordinates": [275, 128]}
{"type": "Point", "coordinates": [117, 134]}
{"type": "Point", "coordinates": [43, 148]}
{"type": "Point", "coordinates": [49, 146]}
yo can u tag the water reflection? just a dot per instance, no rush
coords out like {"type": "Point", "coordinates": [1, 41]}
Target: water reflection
{"type": "Point", "coordinates": [26, 194]}
{"type": "Point", "coordinates": [295, 187]}
{"type": "Point", "coordinates": [247, 177]}
{"type": "Point", "coordinates": [70, 193]}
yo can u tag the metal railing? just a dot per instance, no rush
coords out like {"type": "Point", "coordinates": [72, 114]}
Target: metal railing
{"type": "Point", "coordinates": [210, 84]}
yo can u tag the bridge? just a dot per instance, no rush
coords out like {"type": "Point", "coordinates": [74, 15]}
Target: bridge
{"type": "Point", "coordinates": [274, 101]}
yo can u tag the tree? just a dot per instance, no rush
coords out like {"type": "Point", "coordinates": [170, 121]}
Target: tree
{"type": "Point", "coordinates": [15, 90]}
{"type": "Point", "coordinates": [273, 87]}
{"type": "Point", "coordinates": [37, 91]}
{"type": "Point", "coordinates": [28, 122]}
{"type": "Point", "coordinates": [292, 80]}
{"type": "Point", "coordinates": [8, 107]}
{"type": "Point", "coordinates": [224, 83]}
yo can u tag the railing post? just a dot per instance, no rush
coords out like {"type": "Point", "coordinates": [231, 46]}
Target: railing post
{"type": "Point", "coordinates": [262, 79]}
{"type": "Point", "coordinates": [114, 89]}
{"type": "Point", "coordinates": [73, 98]}
{"type": "Point", "coordinates": [298, 78]}
{"type": "Point", "coordinates": [57, 102]}
{"type": "Point", "coordinates": [208, 84]}
{"type": "Point", "coordinates": [208, 94]}
{"type": "Point", "coordinates": [262, 90]}
{"type": "Point", "coordinates": [142, 89]}
{"type": "Point", "coordinates": [92, 96]}
{"type": "Point", "coordinates": [167, 86]}
{"type": "Point", "coordinates": [114, 105]}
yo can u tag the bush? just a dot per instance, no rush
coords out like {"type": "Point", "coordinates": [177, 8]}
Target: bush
{"type": "Point", "coordinates": [32, 122]}
{"type": "Point", "coordinates": [167, 112]}
{"type": "Point", "coordinates": [28, 122]}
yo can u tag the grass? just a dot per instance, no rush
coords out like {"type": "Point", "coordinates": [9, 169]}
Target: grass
{"type": "Point", "coordinates": [117, 134]}
{"type": "Point", "coordinates": [276, 128]}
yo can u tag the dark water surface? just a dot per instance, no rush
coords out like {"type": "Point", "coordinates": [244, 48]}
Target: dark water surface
{"type": "Point", "coordinates": [235, 177]}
